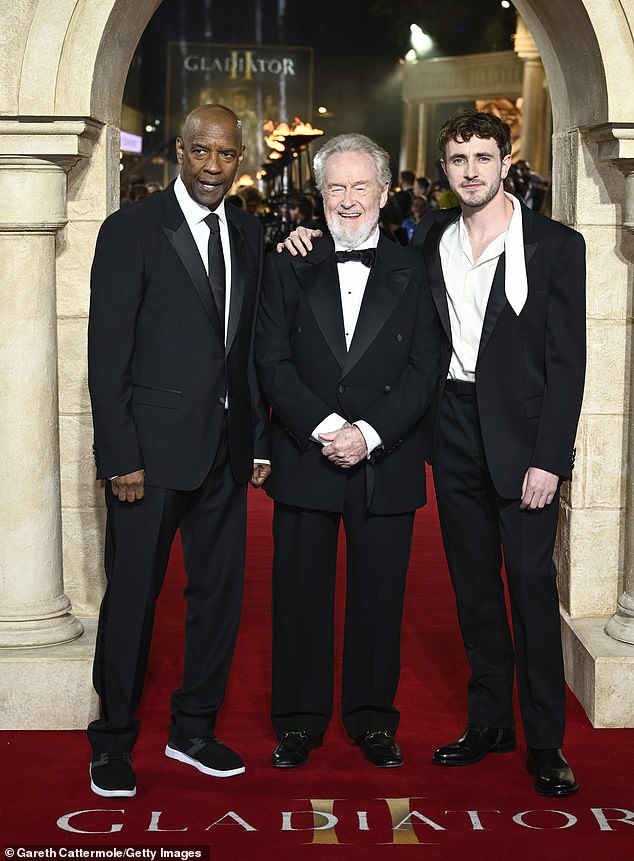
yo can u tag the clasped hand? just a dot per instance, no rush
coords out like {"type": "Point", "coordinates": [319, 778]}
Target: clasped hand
{"type": "Point", "coordinates": [346, 446]}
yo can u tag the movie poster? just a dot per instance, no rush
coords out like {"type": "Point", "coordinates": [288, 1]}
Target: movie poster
{"type": "Point", "coordinates": [260, 83]}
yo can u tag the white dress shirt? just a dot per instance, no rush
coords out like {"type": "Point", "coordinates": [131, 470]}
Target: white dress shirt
{"type": "Point", "coordinates": [353, 277]}
{"type": "Point", "coordinates": [195, 215]}
{"type": "Point", "coordinates": [468, 285]}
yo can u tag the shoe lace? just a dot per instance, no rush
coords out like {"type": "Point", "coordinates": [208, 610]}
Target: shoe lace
{"type": "Point", "coordinates": [201, 741]}
{"type": "Point", "coordinates": [107, 758]}
{"type": "Point", "coordinates": [298, 733]}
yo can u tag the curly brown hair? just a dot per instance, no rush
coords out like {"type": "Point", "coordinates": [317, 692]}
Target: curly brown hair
{"type": "Point", "coordinates": [469, 123]}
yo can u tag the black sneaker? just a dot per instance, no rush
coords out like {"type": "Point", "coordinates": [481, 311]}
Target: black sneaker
{"type": "Point", "coordinates": [111, 775]}
{"type": "Point", "coordinates": [207, 754]}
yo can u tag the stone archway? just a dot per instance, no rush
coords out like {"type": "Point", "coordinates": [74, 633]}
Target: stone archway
{"type": "Point", "coordinates": [61, 81]}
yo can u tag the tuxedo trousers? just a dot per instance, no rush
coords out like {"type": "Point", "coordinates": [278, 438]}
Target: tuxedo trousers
{"type": "Point", "coordinates": [212, 521]}
{"type": "Point", "coordinates": [479, 530]}
{"type": "Point", "coordinates": [304, 573]}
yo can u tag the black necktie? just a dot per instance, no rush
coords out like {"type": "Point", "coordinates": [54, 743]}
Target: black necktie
{"type": "Point", "coordinates": [216, 265]}
{"type": "Point", "coordinates": [363, 255]}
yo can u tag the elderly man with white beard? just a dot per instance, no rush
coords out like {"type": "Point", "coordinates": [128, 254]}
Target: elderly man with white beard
{"type": "Point", "coordinates": [347, 349]}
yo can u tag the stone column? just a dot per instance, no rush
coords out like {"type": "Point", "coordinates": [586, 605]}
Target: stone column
{"type": "Point", "coordinates": [34, 611]}
{"type": "Point", "coordinates": [621, 625]}
{"type": "Point", "coordinates": [409, 138]}
{"type": "Point", "coordinates": [536, 109]}
{"type": "Point", "coordinates": [616, 145]}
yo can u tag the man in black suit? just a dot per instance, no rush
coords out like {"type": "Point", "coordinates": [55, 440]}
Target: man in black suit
{"type": "Point", "coordinates": [509, 287]}
{"type": "Point", "coordinates": [347, 347]}
{"type": "Point", "coordinates": [178, 421]}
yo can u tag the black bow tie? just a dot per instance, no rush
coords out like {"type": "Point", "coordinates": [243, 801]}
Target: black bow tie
{"type": "Point", "coordinates": [362, 255]}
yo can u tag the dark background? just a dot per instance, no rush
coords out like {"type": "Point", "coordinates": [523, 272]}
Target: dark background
{"type": "Point", "coordinates": [357, 45]}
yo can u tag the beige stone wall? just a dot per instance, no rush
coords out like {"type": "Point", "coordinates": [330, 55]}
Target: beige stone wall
{"type": "Point", "coordinates": [591, 551]}
{"type": "Point", "coordinates": [91, 196]}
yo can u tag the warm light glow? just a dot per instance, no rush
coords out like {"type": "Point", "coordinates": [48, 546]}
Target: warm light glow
{"type": "Point", "coordinates": [149, 128]}
{"type": "Point", "coordinates": [245, 181]}
{"type": "Point", "coordinates": [410, 57]}
{"type": "Point", "coordinates": [505, 4]}
{"type": "Point", "coordinates": [421, 42]}
{"type": "Point", "coordinates": [322, 110]}
{"type": "Point", "coordinates": [276, 137]}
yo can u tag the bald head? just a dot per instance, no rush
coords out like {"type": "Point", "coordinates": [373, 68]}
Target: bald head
{"type": "Point", "coordinates": [209, 152]}
{"type": "Point", "coordinates": [209, 113]}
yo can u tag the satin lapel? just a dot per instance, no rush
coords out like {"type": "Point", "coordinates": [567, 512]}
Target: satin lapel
{"type": "Point", "coordinates": [318, 277]}
{"type": "Point", "coordinates": [431, 253]}
{"type": "Point", "coordinates": [497, 297]}
{"type": "Point", "coordinates": [382, 292]}
{"type": "Point", "coordinates": [495, 305]}
{"type": "Point", "coordinates": [238, 274]}
{"type": "Point", "coordinates": [529, 246]}
{"type": "Point", "coordinates": [183, 243]}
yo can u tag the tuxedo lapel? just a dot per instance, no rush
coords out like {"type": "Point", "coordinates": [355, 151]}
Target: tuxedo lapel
{"type": "Point", "coordinates": [318, 277]}
{"type": "Point", "coordinates": [383, 290]}
{"type": "Point", "coordinates": [497, 297]}
{"type": "Point", "coordinates": [431, 253]}
{"type": "Point", "coordinates": [495, 305]}
{"type": "Point", "coordinates": [182, 241]}
{"type": "Point", "coordinates": [238, 274]}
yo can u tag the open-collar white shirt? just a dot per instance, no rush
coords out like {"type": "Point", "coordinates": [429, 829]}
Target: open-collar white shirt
{"type": "Point", "coordinates": [468, 285]}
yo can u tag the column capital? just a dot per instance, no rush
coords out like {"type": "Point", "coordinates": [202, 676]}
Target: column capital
{"type": "Point", "coordinates": [61, 142]}
{"type": "Point", "coordinates": [35, 157]}
{"type": "Point", "coordinates": [523, 43]}
{"type": "Point", "coordinates": [616, 145]}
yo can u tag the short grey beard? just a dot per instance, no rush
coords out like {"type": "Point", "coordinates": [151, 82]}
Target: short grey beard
{"type": "Point", "coordinates": [344, 239]}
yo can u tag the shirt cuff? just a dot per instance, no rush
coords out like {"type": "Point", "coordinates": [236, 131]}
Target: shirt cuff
{"type": "Point", "coordinates": [261, 460]}
{"type": "Point", "coordinates": [333, 422]}
{"type": "Point", "coordinates": [371, 437]}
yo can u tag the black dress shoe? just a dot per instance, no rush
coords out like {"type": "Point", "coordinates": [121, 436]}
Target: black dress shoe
{"type": "Point", "coordinates": [553, 776]}
{"type": "Point", "coordinates": [475, 743]}
{"type": "Point", "coordinates": [294, 749]}
{"type": "Point", "coordinates": [380, 748]}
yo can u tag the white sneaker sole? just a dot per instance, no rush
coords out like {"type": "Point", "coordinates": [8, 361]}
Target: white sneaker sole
{"type": "Point", "coordinates": [178, 755]}
{"type": "Point", "coordinates": [111, 793]}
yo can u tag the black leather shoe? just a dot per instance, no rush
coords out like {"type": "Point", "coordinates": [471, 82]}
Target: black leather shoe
{"type": "Point", "coordinates": [294, 748]}
{"type": "Point", "coordinates": [474, 744]}
{"type": "Point", "coordinates": [380, 748]}
{"type": "Point", "coordinates": [553, 776]}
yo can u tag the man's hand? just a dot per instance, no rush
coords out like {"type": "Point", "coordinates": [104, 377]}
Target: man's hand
{"type": "Point", "coordinates": [261, 472]}
{"type": "Point", "coordinates": [129, 487]}
{"type": "Point", "coordinates": [346, 446]}
{"type": "Point", "coordinates": [299, 240]}
{"type": "Point", "coordinates": [538, 489]}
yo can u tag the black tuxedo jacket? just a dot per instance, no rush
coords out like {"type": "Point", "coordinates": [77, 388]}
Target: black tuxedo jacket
{"type": "Point", "coordinates": [158, 368]}
{"type": "Point", "coordinates": [530, 369]}
{"type": "Point", "coordinates": [387, 377]}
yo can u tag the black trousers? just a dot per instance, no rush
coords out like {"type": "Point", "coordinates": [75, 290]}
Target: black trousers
{"type": "Point", "coordinates": [477, 526]}
{"type": "Point", "coordinates": [212, 521]}
{"type": "Point", "coordinates": [304, 568]}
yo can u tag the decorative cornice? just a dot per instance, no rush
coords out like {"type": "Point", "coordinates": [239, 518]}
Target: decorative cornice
{"type": "Point", "coordinates": [616, 145]}
{"type": "Point", "coordinates": [476, 76]}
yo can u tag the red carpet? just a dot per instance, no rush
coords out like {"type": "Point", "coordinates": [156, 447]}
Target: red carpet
{"type": "Point", "coordinates": [485, 812]}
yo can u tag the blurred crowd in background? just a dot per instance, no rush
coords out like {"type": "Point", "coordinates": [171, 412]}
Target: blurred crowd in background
{"type": "Point", "coordinates": [406, 205]}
